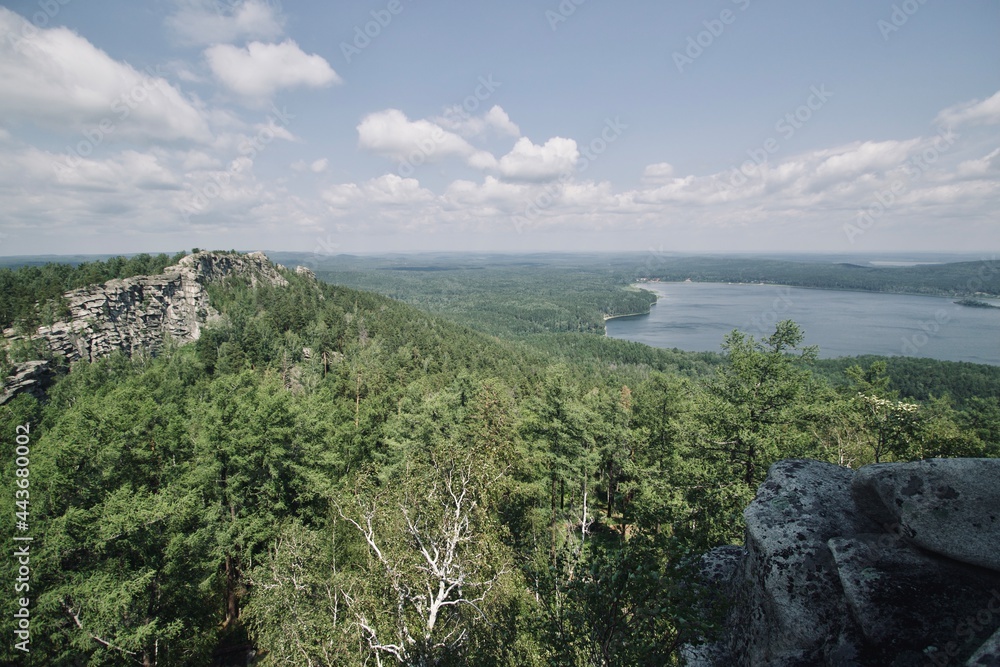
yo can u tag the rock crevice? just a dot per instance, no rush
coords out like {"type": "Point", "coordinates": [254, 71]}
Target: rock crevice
{"type": "Point", "coordinates": [895, 564]}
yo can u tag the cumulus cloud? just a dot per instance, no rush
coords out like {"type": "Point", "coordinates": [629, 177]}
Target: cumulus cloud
{"type": "Point", "coordinates": [862, 157]}
{"type": "Point", "coordinates": [392, 134]}
{"type": "Point", "coordinates": [985, 112]}
{"type": "Point", "coordinates": [530, 162]}
{"type": "Point", "coordinates": [658, 174]}
{"type": "Point", "coordinates": [260, 70]}
{"type": "Point", "coordinates": [388, 190]}
{"type": "Point", "coordinates": [984, 167]}
{"type": "Point", "coordinates": [203, 22]}
{"type": "Point", "coordinates": [272, 128]}
{"type": "Point", "coordinates": [461, 122]}
{"type": "Point", "coordinates": [61, 81]}
{"type": "Point", "coordinates": [130, 191]}
{"type": "Point", "coordinates": [941, 181]}
{"type": "Point", "coordinates": [316, 166]}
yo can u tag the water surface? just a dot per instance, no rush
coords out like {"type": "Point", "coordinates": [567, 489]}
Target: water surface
{"type": "Point", "coordinates": [696, 317]}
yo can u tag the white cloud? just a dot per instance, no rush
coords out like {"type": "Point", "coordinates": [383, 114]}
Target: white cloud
{"type": "Point", "coordinates": [199, 160]}
{"type": "Point", "coordinates": [59, 80]}
{"type": "Point", "coordinates": [203, 22]}
{"type": "Point", "coordinates": [274, 128]}
{"type": "Point", "coordinates": [316, 166]}
{"type": "Point", "coordinates": [529, 162]}
{"type": "Point", "coordinates": [861, 158]}
{"type": "Point", "coordinates": [128, 169]}
{"type": "Point", "coordinates": [658, 174]}
{"type": "Point", "coordinates": [147, 189]}
{"type": "Point", "coordinates": [988, 165]}
{"type": "Point", "coordinates": [260, 70]}
{"type": "Point", "coordinates": [985, 112]}
{"type": "Point", "coordinates": [492, 192]}
{"type": "Point", "coordinates": [389, 198]}
{"type": "Point", "coordinates": [496, 119]}
{"type": "Point", "coordinates": [392, 134]}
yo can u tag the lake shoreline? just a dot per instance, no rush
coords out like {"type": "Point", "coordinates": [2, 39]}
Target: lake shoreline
{"type": "Point", "coordinates": [844, 323]}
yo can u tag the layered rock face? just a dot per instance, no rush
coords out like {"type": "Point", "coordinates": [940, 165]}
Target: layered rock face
{"type": "Point", "coordinates": [137, 314]}
{"type": "Point", "coordinates": [894, 565]}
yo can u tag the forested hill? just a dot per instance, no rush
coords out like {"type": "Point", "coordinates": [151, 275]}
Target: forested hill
{"type": "Point", "coordinates": [954, 279]}
{"type": "Point", "coordinates": [330, 477]}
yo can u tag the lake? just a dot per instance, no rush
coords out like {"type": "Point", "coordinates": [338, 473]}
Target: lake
{"type": "Point", "coordinates": [696, 317]}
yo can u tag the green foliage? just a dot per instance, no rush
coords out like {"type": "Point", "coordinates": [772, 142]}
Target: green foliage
{"type": "Point", "coordinates": [753, 400]}
{"type": "Point", "coordinates": [501, 301]}
{"type": "Point", "coordinates": [335, 478]}
{"type": "Point", "coordinates": [921, 379]}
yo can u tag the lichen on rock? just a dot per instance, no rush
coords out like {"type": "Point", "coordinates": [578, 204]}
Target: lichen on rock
{"type": "Point", "coordinates": [894, 564]}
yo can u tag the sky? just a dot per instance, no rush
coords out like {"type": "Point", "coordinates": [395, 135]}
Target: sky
{"type": "Point", "coordinates": [861, 126]}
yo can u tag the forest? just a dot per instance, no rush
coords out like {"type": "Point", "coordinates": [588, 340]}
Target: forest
{"type": "Point", "coordinates": [330, 476]}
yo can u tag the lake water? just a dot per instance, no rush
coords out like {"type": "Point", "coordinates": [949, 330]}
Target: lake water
{"type": "Point", "coordinates": [696, 317]}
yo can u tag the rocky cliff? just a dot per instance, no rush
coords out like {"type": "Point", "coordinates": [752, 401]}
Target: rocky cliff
{"type": "Point", "coordinates": [139, 313]}
{"type": "Point", "coordinates": [892, 565]}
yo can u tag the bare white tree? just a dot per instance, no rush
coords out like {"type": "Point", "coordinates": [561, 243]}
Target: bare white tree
{"type": "Point", "coordinates": [427, 544]}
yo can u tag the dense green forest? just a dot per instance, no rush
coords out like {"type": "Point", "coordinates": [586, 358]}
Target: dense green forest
{"type": "Point", "coordinates": [331, 477]}
{"type": "Point", "coordinates": [507, 299]}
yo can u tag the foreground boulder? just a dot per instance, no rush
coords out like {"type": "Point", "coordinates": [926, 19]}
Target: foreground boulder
{"type": "Point", "coordinates": [893, 565]}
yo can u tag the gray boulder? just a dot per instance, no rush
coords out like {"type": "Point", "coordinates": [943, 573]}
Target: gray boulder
{"type": "Point", "coordinates": [892, 565]}
{"type": "Point", "coordinates": [948, 506]}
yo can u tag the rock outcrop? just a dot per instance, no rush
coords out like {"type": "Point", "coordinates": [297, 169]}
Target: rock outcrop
{"type": "Point", "coordinates": [137, 314]}
{"type": "Point", "coordinates": [892, 565]}
{"type": "Point", "coordinates": [30, 377]}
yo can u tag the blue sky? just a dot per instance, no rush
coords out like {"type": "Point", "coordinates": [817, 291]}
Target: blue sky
{"type": "Point", "coordinates": [731, 125]}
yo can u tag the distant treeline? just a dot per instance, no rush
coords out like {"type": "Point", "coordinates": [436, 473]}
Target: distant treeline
{"type": "Point", "coordinates": [956, 279]}
{"type": "Point", "coordinates": [31, 294]}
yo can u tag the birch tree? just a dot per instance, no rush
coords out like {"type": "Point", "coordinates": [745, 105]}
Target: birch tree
{"type": "Point", "coordinates": [434, 558]}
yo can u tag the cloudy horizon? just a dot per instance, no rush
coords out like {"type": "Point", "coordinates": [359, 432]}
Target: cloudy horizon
{"type": "Point", "coordinates": [395, 126]}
